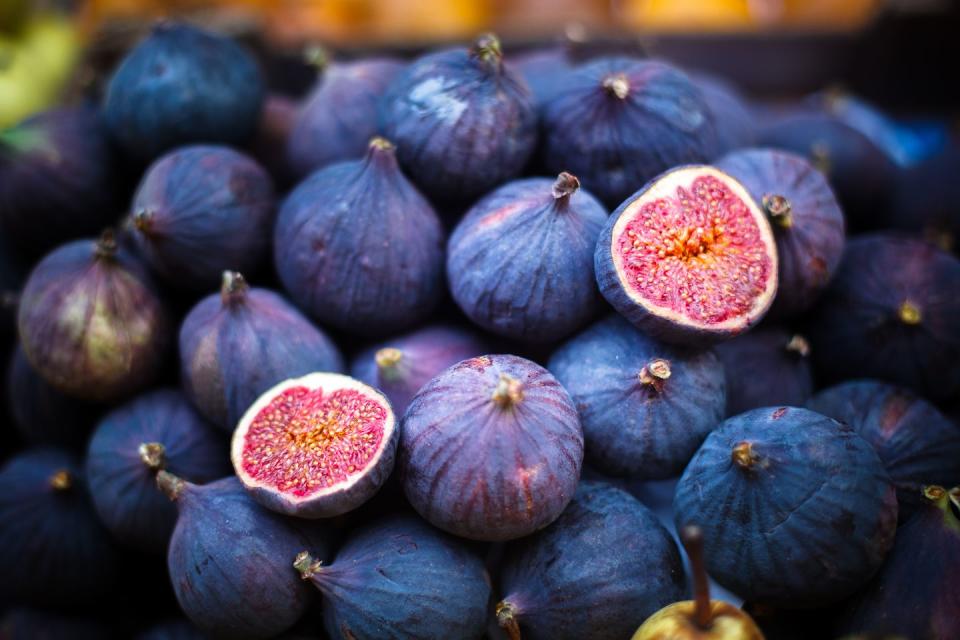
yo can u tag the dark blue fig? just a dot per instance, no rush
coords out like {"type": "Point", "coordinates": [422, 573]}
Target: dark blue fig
{"type": "Point", "coordinates": [915, 594]}
{"type": "Point", "coordinates": [796, 508]}
{"type": "Point", "coordinates": [545, 71]}
{"type": "Point", "coordinates": [157, 430]}
{"type": "Point", "coordinates": [339, 116]}
{"type": "Point", "coordinates": [400, 366]}
{"type": "Point", "coordinates": [618, 122]}
{"type": "Point", "coordinates": [183, 85]}
{"type": "Point", "coordinates": [400, 578]}
{"type": "Point", "coordinates": [173, 629]}
{"type": "Point", "coordinates": [491, 449]}
{"type": "Point", "coordinates": [359, 248]}
{"type": "Point", "coordinates": [200, 210]}
{"type": "Point", "coordinates": [91, 323]}
{"type": "Point", "coordinates": [766, 367]}
{"type": "Point", "coordinates": [596, 573]}
{"type": "Point", "coordinates": [806, 219]}
{"type": "Point", "coordinates": [645, 407]}
{"type": "Point", "coordinates": [229, 560]}
{"type": "Point", "coordinates": [733, 116]}
{"type": "Point", "coordinates": [34, 624]}
{"type": "Point", "coordinates": [463, 122]}
{"type": "Point", "coordinates": [925, 197]}
{"type": "Point", "coordinates": [269, 146]}
{"type": "Point", "coordinates": [58, 180]}
{"type": "Point", "coordinates": [520, 263]}
{"type": "Point", "coordinates": [887, 315]}
{"type": "Point", "coordinates": [53, 551]}
{"type": "Point", "coordinates": [237, 344]}
{"type": "Point", "coordinates": [916, 443]}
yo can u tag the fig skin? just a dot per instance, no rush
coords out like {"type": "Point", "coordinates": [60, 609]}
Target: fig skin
{"type": "Point", "coordinates": [399, 367]}
{"type": "Point", "coordinates": [91, 323]}
{"type": "Point", "coordinates": [229, 560]}
{"type": "Point", "coordinates": [400, 578]}
{"type": "Point", "coordinates": [645, 407]}
{"type": "Point", "coordinates": [238, 343]}
{"type": "Point", "coordinates": [916, 443]}
{"type": "Point", "coordinates": [617, 122]}
{"type": "Point", "coordinates": [732, 113]}
{"type": "Point", "coordinates": [923, 204]}
{"type": "Point", "coordinates": [157, 430]}
{"type": "Point", "coordinates": [359, 248]}
{"type": "Point", "coordinates": [336, 120]}
{"type": "Point", "coordinates": [462, 120]}
{"type": "Point", "coordinates": [183, 85]}
{"type": "Point", "coordinates": [766, 367]}
{"type": "Point", "coordinates": [491, 449]}
{"type": "Point", "coordinates": [885, 316]}
{"type": "Point", "coordinates": [58, 180]}
{"type": "Point", "coordinates": [595, 574]}
{"type": "Point", "coordinates": [269, 146]}
{"type": "Point", "coordinates": [200, 210]}
{"type": "Point", "coordinates": [805, 217]}
{"type": "Point", "coordinates": [53, 550]}
{"type": "Point", "coordinates": [544, 70]}
{"type": "Point", "coordinates": [796, 509]}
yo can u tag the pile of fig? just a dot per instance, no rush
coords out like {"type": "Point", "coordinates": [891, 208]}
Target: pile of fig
{"type": "Point", "coordinates": [474, 345]}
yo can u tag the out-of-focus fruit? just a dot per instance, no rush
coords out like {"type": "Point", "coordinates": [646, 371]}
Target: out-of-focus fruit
{"type": "Point", "coordinates": [21, 623]}
{"type": "Point", "coordinates": [733, 117]}
{"type": "Point", "coordinates": [544, 70]}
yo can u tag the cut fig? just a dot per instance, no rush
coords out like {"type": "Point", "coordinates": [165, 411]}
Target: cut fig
{"type": "Point", "coordinates": [317, 446]}
{"type": "Point", "coordinates": [690, 258]}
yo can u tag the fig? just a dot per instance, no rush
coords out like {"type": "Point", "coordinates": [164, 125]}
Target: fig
{"type": "Point", "coordinates": [885, 316]}
{"type": "Point", "coordinates": [544, 71]}
{"type": "Point", "coordinates": [645, 407]}
{"type": "Point", "coordinates": [463, 122]}
{"type": "Point", "coordinates": [732, 114]}
{"type": "Point", "coordinates": [688, 259]}
{"type": "Point", "coordinates": [58, 180]}
{"type": "Point", "coordinates": [315, 447]}
{"type": "Point", "coordinates": [766, 367]}
{"type": "Point", "coordinates": [916, 443]}
{"type": "Point", "coordinates": [923, 204]}
{"type": "Point", "coordinates": [53, 550]}
{"type": "Point", "coordinates": [359, 248]}
{"type": "Point", "coordinates": [618, 122]}
{"type": "Point", "coordinates": [269, 146]}
{"type": "Point", "coordinates": [339, 116]}
{"type": "Point", "coordinates": [520, 263]}
{"type": "Point", "coordinates": [155, 431]}
{"type": "Point", "coordinates": [91, 323]}
{"type": "Point", "coordinates": [183, 85]}
{"type": "Point", "coordinates": [229, 560]}
{"type": "Point", "coordinates": [491, 449]}
{"type": "Point", "coordinates": [400, 578]}
{"type": "Point", "coordinates": [236, 345]}
{"type": "Point", "coordinates": [915, 594]}
{"type": "Point", "coordinates": [399, 367]}
{"type": "Point", "coordinates": [796, 509]}
{"type": "Point", "coordinates": [700, 618]}
{"type": "Point", "coordinates": [806, 219]}
{"type": "Point", "coordinates": [200, 210]}
{"type": "Point", "coordinates": [594, 574]}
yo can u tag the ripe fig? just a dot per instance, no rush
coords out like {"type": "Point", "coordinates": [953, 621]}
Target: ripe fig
{"type": "Point", "coordinates": [315, 447]}
{"type": "Point", "coordinates": [183, 85]}
{"type": "Point", "coordinates": [618, 122]}
{"type": "Point", "coordinates": [359, 248]}
{"type": "Point", "coordinates": [806, 220]}
{"type": "Point", "coordinates": [400, 578]}
{"type": "Point", "coordinates": [688, 259]}
{"type": "Point", "coordinates": [200, 210]}
{"type": "Point", "coordinates": [732, 115]}
{"type": "Point", "coordinates": [463, 121]}
{"type": "Point", "coordinates": [886, 316]}
{"type": "Point", "coordinates": [339, 116]}
{"type": "Point", "coordinates": [53, 550]}
{"type": "Point", "coordinates": [236, 345]}
{"type": "Point", "coordinates": [520, 263]}
{"type": "Point", "coordinates": [916, 443]}
{"type": "Point", "coordinates": [796, 509]}
{"type": "Point", "coordinates": [269, 146]}
{"type": "Point", "coordinates": [491, 449]}
{"type": "Point", "coordinates": [544, 71]}
{"type": "Point", "coordinates": [399, 367]}
{"type": "Point", "coordinates": [766, 367]}
{"type": "Point", "coordinates": [91, 323]}
{"type": "Point", "coordinates": [645, 407]}
{"type": "Point", "coordinates": [924, 199]}
{"type": "Point", "coordinates": [155, 431]}
{"type": "Point", "coordinates": [229, 560]}
{"type": "Point", "coordinates": [594, 574]}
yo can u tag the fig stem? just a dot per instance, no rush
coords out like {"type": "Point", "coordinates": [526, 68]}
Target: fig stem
{"type": "Point", "coordinates": [509, 392]}
{"type": "Point", "coordinates": [316, 56]}
{"type": "Point", "coordinates": [617, 84]}
{"type": "Point", "coordinates": [566, 185]}
{"type": "Point", "coordinates": [171, 485]}
{"type": "Point", "coordinates": [655, 373]}
{"type": "Point", "coordinates": [692, 538]}
{"type": "Point", "coordinates": [778, 209]}
{"type": "Point", "coordinates": [306, 565]}
{"type": "Point", "coordinates": [798, 345]}
{"type": "Point", "coordinates": [388, 357]}
{"type": "Point", "coordinates": [909, 313]}
{"type": "Point", "coordinates": [143, 220]}
{"type": "Point", "coordinates": [487, 50]}
{"type": "Point", "coordinates": [154, 455]}
{"type": "Point", "coordinates": [946, 501]}
{"type": "Point", "coordinates": [234, 288]}
{"type": "Point", "coordinates": [106, 245]}
{"type": "Point", "coordinates": [507, 619]}
{"type": "Point", "coordinates": [61, 480]}
{"type": "Point", "coordinates": [744, 456]}
{"type": "Point", "coordinates": [379, 143]}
